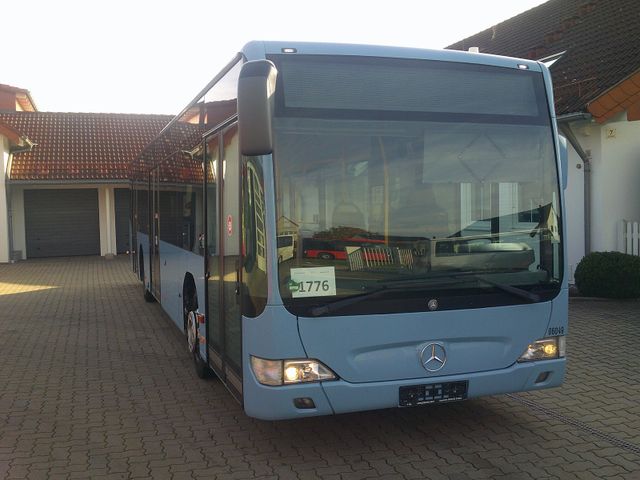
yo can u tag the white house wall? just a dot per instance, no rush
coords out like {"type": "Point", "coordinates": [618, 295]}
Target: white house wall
{"type": "Point", "coordinates": [616, 190]}
{"type": "Point", "coordinates": [4, 218]}
{"type": "Point", "coordinates": [107, 209]}
{"type": "Point", "coordinates": [18, 222]}
{"type": "Point", "coordinates": [615, 184]}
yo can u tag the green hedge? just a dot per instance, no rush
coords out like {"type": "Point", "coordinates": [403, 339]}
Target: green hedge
{"type": "Point", "coordinates": [609, 275]}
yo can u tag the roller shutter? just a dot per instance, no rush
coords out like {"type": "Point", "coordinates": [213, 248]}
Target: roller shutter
{"type": "Point", "coordinates": [62, 223]}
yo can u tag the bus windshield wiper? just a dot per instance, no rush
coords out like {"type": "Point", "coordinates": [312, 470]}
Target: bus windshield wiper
{"type": "Point", "coordinates": [515, 291]}
{"type": "Point", "coordinates": [345, 302]}
{"type": "Point", "coordinates": [402, 284]}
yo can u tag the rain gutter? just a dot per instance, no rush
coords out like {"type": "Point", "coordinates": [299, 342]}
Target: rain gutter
{"type": "Point", "coordinates": [564, 126]}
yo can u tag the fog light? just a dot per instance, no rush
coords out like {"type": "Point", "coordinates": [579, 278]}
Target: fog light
{"type": "Point", "coordinates": [304, 403]}
{"type": "Point", "coordinates": [544, 349]}
{"type": "Point", "coordinates": [542, 377]}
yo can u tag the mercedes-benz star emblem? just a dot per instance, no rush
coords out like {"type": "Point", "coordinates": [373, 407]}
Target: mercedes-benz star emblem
{"type": "Point", "coordinates": [433, 357]}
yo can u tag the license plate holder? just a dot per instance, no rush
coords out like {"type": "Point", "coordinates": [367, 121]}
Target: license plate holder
{"type": "Point", "coordinates": [413, 395]}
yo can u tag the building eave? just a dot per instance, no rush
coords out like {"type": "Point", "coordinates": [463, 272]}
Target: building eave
{"type": "Point", "coordinates": [624, 96]}
{"type": "Point", "coordinates": [88, 181]}
{"type": "Point", "coordinates": [16, 139]}
{"type": "Point", "coordinates": [26, 102]}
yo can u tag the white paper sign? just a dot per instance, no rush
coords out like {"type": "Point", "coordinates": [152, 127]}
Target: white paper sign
{"type": "Point", "coordinates": [313, 282]}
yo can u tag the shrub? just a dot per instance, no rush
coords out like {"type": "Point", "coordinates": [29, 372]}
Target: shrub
{"type": "Point", "coordinates": [609, 274]}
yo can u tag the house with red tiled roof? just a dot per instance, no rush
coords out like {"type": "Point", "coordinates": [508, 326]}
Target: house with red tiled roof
{"type": "Point", "coordinates": [65, 183]}
{"type": "Point", "coordinates": [16, 99]}
{"type": "Point", "coordinates": [592, 48]}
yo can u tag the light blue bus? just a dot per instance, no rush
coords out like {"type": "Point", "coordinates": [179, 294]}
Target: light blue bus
{"type": "Point", "coordinates": [429, 183]}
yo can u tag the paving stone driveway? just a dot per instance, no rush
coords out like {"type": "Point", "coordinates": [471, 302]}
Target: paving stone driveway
{"type": "Point", "coordinates": [96, 383]}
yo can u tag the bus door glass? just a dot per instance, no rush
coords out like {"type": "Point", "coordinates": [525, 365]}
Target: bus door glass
{"type": "Point", "coordinates": [214, 285]}
{"type": "Point", "coordinates": [231, 232]}
{"type": "Point", "coordinates": [154, 248]}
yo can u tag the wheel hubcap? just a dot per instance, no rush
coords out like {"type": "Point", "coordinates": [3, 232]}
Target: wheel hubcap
{"type": "Point", "coordinates": [192, 333]}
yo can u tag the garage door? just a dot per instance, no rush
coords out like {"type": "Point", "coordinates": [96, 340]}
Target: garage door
{"type": "Point", "coordinates": [61, 222]}
{"type": "Point", "coordinates": [122, 197]}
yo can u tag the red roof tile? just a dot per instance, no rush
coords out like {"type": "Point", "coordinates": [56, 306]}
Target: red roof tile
{"type": "Point", "coordinates": [178, 151]}
{"type": "Point", "coordinates": [170, 153]}
{"type": "Point", "coordinates": [80, 146]}
{"type": "Point", "coordinates": [601, 39]}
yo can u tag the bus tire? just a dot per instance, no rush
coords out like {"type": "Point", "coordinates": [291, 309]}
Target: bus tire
{"type": "Point", "coordinates": [141, 265]}
{"type": "Point", "coordinates": [193, 342]}
{"type": "Point", "coordinates": [148, 296]}
{"type": "Point", "coordinates": [202, 369]}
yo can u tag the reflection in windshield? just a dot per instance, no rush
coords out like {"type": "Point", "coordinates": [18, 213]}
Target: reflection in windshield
{"type": "Point", "coordinates": [383, 200]}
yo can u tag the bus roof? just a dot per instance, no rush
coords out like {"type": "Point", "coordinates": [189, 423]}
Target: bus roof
{"type": "Point", "coordinates": [255, 50]}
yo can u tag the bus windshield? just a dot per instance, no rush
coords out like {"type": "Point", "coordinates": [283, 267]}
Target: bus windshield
{"type": "Point", "coordinates": [413, 185]}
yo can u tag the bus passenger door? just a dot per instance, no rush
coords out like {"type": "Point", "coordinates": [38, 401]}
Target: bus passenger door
{"type": "Point", "coordinates": [232, 258]}
{"type": "Point", "coordinates": [154, 248]}
{"type": "Point", "coordinates": [215, 338]}
{"type": "Point", "coordinates": [224, 256]}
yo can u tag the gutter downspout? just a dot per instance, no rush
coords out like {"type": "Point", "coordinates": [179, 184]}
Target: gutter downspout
{"type": "Point", "coordinates": [565, 128]}
{"type": "Point", "coordinates": [12, 151]}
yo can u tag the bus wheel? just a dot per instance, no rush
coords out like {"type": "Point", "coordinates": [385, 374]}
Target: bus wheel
{"type": "Point", "coordinates": [191, 327]}
{"type": "Point", "coordinates": [148, 296]}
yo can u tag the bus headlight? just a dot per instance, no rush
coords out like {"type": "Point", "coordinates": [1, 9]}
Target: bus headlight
{"type": "Point", "coordinates": [544, 349]}
{"type": "Point", "coordinates": [287, 372]}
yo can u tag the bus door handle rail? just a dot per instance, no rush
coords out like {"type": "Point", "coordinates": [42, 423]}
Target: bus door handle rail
{"type": "Point", "coordinates": [237, 277]}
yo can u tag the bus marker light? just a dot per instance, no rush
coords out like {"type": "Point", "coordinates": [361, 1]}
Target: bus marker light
{"type": "Point", "coordinates": [267, 372]}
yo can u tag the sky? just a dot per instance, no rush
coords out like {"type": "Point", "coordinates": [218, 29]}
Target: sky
{"type": "Point", "coordinates": [140, 56]}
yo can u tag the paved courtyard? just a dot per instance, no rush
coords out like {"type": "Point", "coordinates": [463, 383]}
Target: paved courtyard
{"type": "Point", "coordinates": [96, 383]}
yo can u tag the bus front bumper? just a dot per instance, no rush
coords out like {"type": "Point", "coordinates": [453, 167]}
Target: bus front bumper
{"type": "Point", "coordinates": [278, 403]}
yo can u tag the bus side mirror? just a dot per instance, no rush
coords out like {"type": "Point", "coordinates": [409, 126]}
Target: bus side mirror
{"type": "Point", "coordinates": [256, 87]}
{"type": "Point", "coordinates": [564, 160]}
